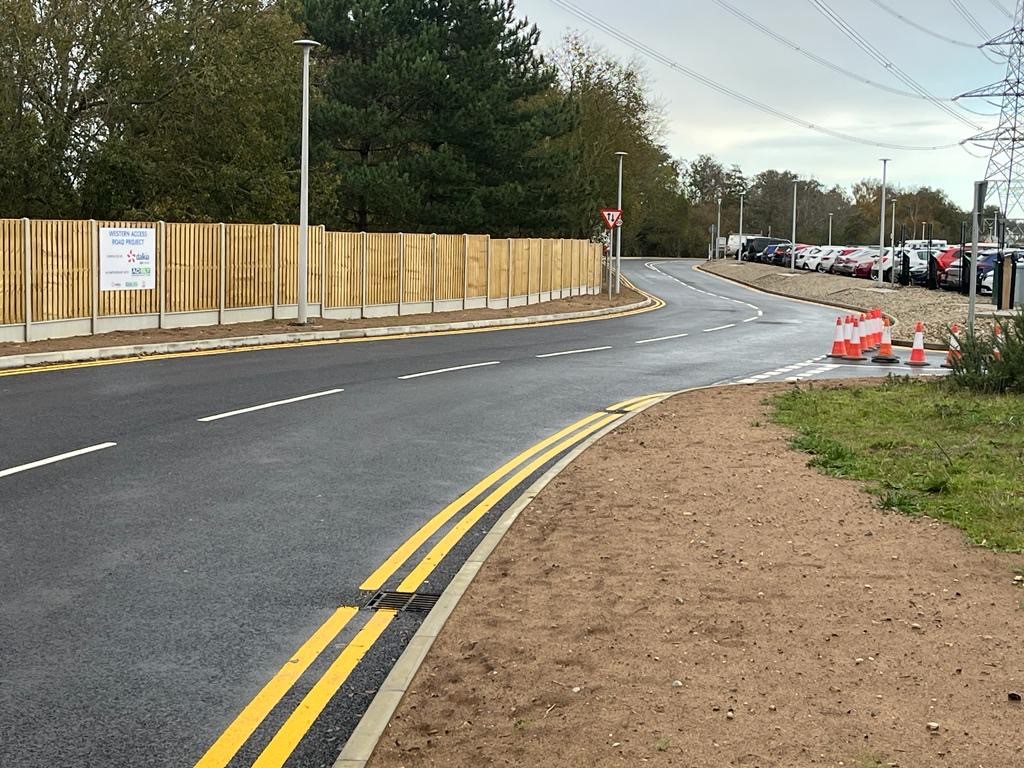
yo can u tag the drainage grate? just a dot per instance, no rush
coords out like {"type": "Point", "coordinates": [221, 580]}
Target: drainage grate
{"type": "Point", "coordinates": [417, 602]}
{"type": "Point", "coordinates": [617, 410]}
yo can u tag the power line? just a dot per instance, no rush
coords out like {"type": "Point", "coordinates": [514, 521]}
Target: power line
{"type": "Point", "coordinates": [651, 53]}
{"type": "Point", "coordinates": [1002, 8]}
{"type": "Point", "coordinates": [878, 56]}
{"type": "Point", "coordinates": [751, 21]}
{"type": "Point", "coordinates": [920, 27]}
{"type": "Point", "coordinates": [969, 18]}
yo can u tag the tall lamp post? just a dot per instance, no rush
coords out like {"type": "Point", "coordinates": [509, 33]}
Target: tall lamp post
{"type": "Point", "coordinates": [892, 241]}
{"type": "Point", "coordinates": [618, 231]}
{"type": "Point", "coordinates": [792, 245]}
{"type": "Point", "coordinates": [739, 248]}
{"type": "Point", "coordinates": [830, 228]}
{"type": "Point", "coordinates": [718, 226]}
{"type": "Point", "coordinates": [881, 229]}
{"type": "Point", "coordinates": [302, 288]}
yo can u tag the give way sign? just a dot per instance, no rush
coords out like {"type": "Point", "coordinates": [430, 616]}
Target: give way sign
{"type": "Point", "coordinates": [612, 217]}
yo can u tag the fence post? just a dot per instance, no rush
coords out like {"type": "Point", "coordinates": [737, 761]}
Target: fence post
{"type": "Point", "coordinates": [362, 274]}
{"type": "Point", "coordinates": [540, 273]}
{"type": "Point", "coordinates": [487, 303]}
{"type": "Point", "coordinates": [529, 268]}
{"type": "Point", "coordinates": [223, 272]}
{"type": "Point", "coordinates": [161, 266]}
{"type": "Point", "coordinates": [26, 227]}
{"type": "Point", "coordinates": [401, 270]}
{"type": "Point", "coordinates": [433, 272]}
{"type": "Point", "coordinates": [323, 270]}
{"type": "Point", "coordinates": [508, 302]}
{"type": "Point", "coordinates": [276, 292]}
{"type": "Point", "coordinates": [94, 274]}
{"type": "Point", "coordinates": [465, 270]}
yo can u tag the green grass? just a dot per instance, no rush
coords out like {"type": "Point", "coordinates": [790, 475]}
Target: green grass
{"type": "Point", "coordinates": [923, 448]}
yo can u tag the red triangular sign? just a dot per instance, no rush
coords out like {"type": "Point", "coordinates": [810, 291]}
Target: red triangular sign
{"type": "Point", "coordinates": [612, 217]}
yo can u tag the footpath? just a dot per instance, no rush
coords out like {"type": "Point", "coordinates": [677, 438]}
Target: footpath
{"type": "Point", "coordinates": [676, 599]}
{"type": "Point", "coordinates": [130, 344]}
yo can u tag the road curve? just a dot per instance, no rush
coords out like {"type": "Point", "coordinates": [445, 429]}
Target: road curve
{"type": "Point", "coordinates": [182, 536]}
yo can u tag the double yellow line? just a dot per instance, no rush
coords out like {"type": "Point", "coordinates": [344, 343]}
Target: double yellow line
{"type": "Point", "coordinates": [507, 477]}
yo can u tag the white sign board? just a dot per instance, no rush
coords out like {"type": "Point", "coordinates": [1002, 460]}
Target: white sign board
{"type": "Point", "coordinates": [127, 259]}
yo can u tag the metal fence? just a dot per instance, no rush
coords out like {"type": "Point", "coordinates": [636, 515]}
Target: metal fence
{"type": "Point", "coordinates": [222, 273]}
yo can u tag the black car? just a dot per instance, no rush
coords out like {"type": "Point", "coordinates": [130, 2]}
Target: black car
{"type": "Point", "coordinates": [755, 245]}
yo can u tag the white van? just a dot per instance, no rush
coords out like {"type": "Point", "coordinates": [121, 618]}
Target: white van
{"type": "Point", "coordinates": [916, 244]}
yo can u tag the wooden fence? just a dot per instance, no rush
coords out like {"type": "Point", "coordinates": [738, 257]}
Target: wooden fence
{"type": "Point", "coordinates": [221, 273]}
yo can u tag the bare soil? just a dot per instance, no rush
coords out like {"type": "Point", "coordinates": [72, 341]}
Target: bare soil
{"type": "Point", "coordinates": [679, 599]}
{"type": "Point", "coordinates": [123, 338]}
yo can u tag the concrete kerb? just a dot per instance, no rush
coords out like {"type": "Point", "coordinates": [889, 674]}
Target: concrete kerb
{"type": "Point", "coordinates": [838, 305]}
{"type": "Point", "coordinates": [363, 741]}
{"type": "Point", "coordinates": [8, 362]}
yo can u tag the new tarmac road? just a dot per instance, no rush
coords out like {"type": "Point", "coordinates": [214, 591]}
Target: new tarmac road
{"type": "Point", "coordinates": [187, 544]}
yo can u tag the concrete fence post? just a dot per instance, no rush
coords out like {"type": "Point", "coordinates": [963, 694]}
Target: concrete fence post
{"type": "Point", "coordinates": [487, 302]}
{"type": "Point", "coordinates": [94, 274]}
{"type": "Point", "coordinates": [529, 269]}
{"type": "Point", "coordinates": [223, 273]}
{"type": "Point", "coordinates": [323, 269]}
{"type": "Point", "coordinates": [465, 270]}
{"type": "Point", "coordinates": [276, 288]}
{"type": "Point", "coordinates": [362, 273]}
{"type": "Point", "coordinates": [161, 266]}
{"type": "Point", "coordinates": [401, 270]}
{"type": "Point", "coordinates": [508, 301]}
{"type": "Point", "coordinates": [433, 271]}
{"type": "Point", "coordinates": [26, 235]}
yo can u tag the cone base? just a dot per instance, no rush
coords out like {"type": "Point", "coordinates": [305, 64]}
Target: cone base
{"type": "Point", "coordinates": [917, 364]}
{"type": "Point", "coordinates": [854, 359]}
{"type": "Point", "coordinates": [836, 355]}
{"type": "Point", "coordinates": [885, 360]}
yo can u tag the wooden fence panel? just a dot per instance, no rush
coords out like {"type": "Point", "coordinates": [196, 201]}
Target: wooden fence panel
{"type": "Point", "coordinates": [499, 269]}
{"type": "Point", "coordinates": [192, 267]}
{"type": "Point", "coordinates": [250, 265]}
{"type": "Point", "coordinates": [382, 260]}
{"type": "Point", "coordinates": [451, 266]}
{"type": "Point", "coordinates": [12, 271]}
{"type": "Point", "coordinates": [289, 260]}
{"type": "Point", "coordinates": [61, 270]}
{"type": "Point", "coordinates": [476, 279]}
{"type": "Point", "coordinates": [344, 269]}
{"type": "Point", "coordinates": [520, 266]}
{"type": "Point", "coordinates": [418, 281]}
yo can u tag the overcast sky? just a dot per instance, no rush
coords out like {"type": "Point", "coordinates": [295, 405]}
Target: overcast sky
{"type": "Point", "coordinates": [704, 37]}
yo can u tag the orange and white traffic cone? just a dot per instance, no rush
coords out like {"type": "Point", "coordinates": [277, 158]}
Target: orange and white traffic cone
{"type": "Point", "coordinates": [997, 349]}
{"type": "Point", "coordinates": [862, 325]}
{"type": "Point", "coordinates": [847, 332]}
{"type": "Point", "coordinates": [885, 355]}
{"type": "Point", "coordinates": [853, 347]}
{"type": "Point", "coordinates": [953, 353]}
{"type": "Point", "coordinates": [839, 340]}
{"type": "Point", "coordinates": [879, 327]}
{"type": "Point", "coordinates": [917, 358]}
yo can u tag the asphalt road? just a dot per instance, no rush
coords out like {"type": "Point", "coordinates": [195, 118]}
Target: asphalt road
{"type": "Point", "coordinates": [150, 588]}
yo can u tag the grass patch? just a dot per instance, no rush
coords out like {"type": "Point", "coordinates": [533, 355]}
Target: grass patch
{"type": "Point", "coordinates": [923, 448]}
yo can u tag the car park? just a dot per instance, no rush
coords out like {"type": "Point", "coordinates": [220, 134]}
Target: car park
{"type": "Point", "coordinates": [847, 265]}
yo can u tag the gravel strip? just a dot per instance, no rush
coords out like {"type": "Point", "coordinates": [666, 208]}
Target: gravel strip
{"type": "Point", "coordinates": [936, 309]}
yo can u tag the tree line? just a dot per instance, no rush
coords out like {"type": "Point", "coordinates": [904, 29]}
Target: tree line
{"type": "Point", "coordinates": [427, 116]}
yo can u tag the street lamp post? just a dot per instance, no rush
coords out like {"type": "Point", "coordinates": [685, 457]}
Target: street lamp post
{"type": "Point", "coordinates": [302, 288]}
{"type": "Point", "coordinates": [830, 228]}
{"type": "Point", "coordinates": [892, 242]}
{"type": "Point", "coordinates": [739, 247]}
{"type": "Point", "coordinates": [618, 231]}
{"type": "Point", "coordinates": [718, 227]}
{"type": "Point", "coordinates": [881, 229]}
{"type": "Point", "coordinates": [792, 245]}
{"type": "Point", "coordinates": [923, 223]}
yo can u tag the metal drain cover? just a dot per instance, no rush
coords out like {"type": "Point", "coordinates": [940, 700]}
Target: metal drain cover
{"type": "Point", "coordinates": [417, 602]}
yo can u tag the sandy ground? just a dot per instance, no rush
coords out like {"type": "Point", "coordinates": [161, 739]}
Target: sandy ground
{"type": "Point", "coordinates": [121, 338]}
{"type": "Point", "coordinates": [936, 309]}
{"type": "Point", "coordinates": [676, 598]}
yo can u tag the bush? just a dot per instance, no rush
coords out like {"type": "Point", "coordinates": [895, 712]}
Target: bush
{"type": "Point", "coordinates": [992, 361]}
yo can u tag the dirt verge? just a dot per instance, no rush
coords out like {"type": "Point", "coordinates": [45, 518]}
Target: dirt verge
{"type": "Point", "coordinates": [123, 338]}
{"type": "Point", "coordinates": [674, 598]}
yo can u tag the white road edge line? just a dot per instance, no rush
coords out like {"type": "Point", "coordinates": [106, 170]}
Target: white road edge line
{"type": "Point", "coordinates": [449, 370]}
{"type": "Point", "coordinates": [720, 328]}
{"type": "Point", "coordinates": [269, 405]}
{"type": "Point", "coordinates": [55, 459]}
{"type": "Point", "coordinates": [662, 338]}
{"type": "Point", "coordinates": [574, 352]}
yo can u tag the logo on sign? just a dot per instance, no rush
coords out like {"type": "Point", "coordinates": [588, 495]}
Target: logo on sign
{"type": "Point", "coordinates": [612, 217]}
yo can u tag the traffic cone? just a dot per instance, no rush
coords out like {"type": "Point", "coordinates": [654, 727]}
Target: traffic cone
{"type": "Point", "coordinates": [885, 355]}
{"type": "Point", "coordinates": [917, 358]}
{"type": "Point", "coordinates": [853, 347]}
{"type": "Point", "coordinates": [953, 353]}
{"type": "Point", "coordinates": [997, 334]}
{"type": "Point", "coordinates": [847, 333]}
{"type": "Point", "coordinates": [839, 340]}
{"type": "Point", "coordinates": [879, 327]}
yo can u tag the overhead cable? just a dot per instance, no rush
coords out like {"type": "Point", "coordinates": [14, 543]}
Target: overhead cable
{"type": "Point", "coordinates": [751, 21]}
{"type": "Point", "coordinates": [1002, 8]}
{"type": "Point", "coordinates": [878, 56]}
{"type": "Point", "coordinates": [921, 28]}
{"type": "Point", "coordinates": [653, 54]}
{"type": "Point", "coordinates": [970, 18]}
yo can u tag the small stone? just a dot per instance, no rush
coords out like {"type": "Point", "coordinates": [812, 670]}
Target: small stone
{"type": "Point", "coordinates": [730, 715]}
{"type": "Point", "coordinates": [933, 727]}
{"type": "Point", "coordinates": [677, 683]}
{"type": "Point", "coordinates": [1013, 696]}
{"type": "Point", "coordinates": [616, 743]}
{"type": "Point", "coordinates": [771, 707]}
{"type": "Point", "coordinates": [915, 625]}
{"type": "Point", "coordinates": [858, 660]}
{"type": "Point", "coordinates": [576, 689]}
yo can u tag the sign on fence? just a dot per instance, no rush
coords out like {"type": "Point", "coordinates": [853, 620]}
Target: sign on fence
{"type": "Point", "coordinates": [127, 259]}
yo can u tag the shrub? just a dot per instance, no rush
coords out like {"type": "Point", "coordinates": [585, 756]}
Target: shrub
{"type": "Point", "coordinates": [991, 361]}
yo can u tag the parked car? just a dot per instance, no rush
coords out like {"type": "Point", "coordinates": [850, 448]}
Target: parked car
{"type": "Point", "coordinates": [987, 285]}
{"type": "Point", "coordinates": [764, 256]}
{"type": "Point", "coordinates": [950, 279]}
{"type": "Point", "coordinates": [805, 253]}
{"type": "Point", "coordinates": [827, 258]}
{"type": "Point", "coordinates": [847, 265]}
{"type": "Point", "coordinates": [781, 256]}
{"type": "Point", "coordinates": [754, 246]}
